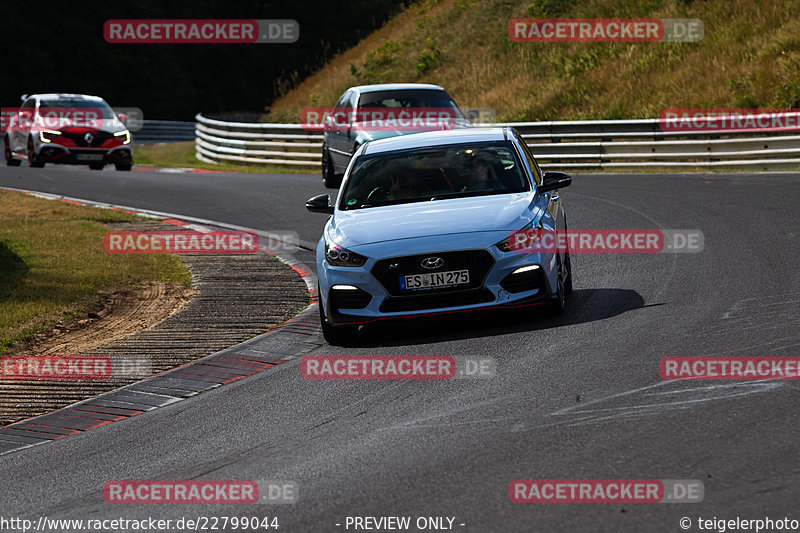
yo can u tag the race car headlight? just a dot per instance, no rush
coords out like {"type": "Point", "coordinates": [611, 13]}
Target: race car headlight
{"type": "Point", "coordinates": [338, 256]}
{"type": "Point", "coordinates": [126, 136]}
{"type": "Point", "coordinates": [47, 136]}
{"type": "Point", "coordinates": [526, 237]}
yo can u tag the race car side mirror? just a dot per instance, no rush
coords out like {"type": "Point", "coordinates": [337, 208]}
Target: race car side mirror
{"type": "Point", "coordinates": [320, 204]}
{"type": "Point", "coordinates": [554, 180]}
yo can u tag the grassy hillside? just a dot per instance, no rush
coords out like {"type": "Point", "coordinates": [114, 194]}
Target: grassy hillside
{"type": "Point", "coordinates": [749, 57]}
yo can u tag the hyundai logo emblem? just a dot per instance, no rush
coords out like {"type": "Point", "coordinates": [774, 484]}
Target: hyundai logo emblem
{"type": "Point", "coordinates": [88, 138]}
{"type": "Point", "coordinates": [432, 263]}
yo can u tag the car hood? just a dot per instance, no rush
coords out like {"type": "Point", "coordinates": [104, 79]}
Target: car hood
{"type": "Point", "coordinates": [502, 212]}
{"type": "Point", "coordinates": [106, 126]}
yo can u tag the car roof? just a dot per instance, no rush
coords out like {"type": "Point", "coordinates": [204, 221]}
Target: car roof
{"type": "Point", "coordinates": [437, 138]}
{"type": "Point", "coordinates": [395, 87]}
{"type": "Point", "coordinates": [70, 96]}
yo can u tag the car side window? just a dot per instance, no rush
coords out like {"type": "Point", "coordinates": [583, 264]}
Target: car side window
{"type": "Point", "coordinates": [351, 101]}
{"type": "Point", "coordinates": [339, 113]}
{"type": "Point", "coordinates": [26, 112]}
{"type": "Point", "coordinates": [342, 101]}
{"type": "Point", "coordinates": [537, 177]}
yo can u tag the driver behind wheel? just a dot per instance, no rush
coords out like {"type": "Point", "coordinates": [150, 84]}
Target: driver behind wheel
{"type": "Point", "coordinates": [404, 188]}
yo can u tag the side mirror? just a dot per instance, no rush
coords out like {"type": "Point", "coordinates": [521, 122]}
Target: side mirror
{"type": "Point", "coordinates": [320, 204]}
{"type": "Point", "coordinates": [123, 118]}
{"type": "Point", "coordinates": [554, 180]}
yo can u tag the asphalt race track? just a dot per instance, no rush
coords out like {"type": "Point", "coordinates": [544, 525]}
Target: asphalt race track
{"type": "Point", "coordinates": [577, 396]}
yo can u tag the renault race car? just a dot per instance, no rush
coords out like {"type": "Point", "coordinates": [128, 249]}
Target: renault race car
{"type": "Point", "coordinates": [73, 129]}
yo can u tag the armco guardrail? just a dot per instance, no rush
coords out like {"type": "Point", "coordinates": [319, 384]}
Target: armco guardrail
{"type": "Point", "coordinates": [153, 131]}
{"type": "Point", "coordinates": [578, 145]}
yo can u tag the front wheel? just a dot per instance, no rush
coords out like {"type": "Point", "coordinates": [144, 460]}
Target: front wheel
{"type": "Point", "coordinates": [559, 301]}
{"type": "Point", "coordinates": [329, 177]}
{"type": "Point", "coordinates": [33, 159]}
{"type": "Point", "coordinates": [123, 166]}
{"type": "Point", "coordinates": [96, 166]}
{"type": "Point", "coordinates": [336, 335]}
{"type": "Point", "coordinates": [10, 159]}
{"type": "Point", "coordinates": [568, 283]}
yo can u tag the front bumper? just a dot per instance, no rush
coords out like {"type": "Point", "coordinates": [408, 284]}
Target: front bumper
{"type": "Point", "coordinates": [359, 295]}
{"type": "Point", "coordinates": [56, 153]}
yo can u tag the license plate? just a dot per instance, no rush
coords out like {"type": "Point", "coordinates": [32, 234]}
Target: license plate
{"type": "Point", "coordinates": [89, 157]}
{"type": "Point", "coordinates": [434, 279]}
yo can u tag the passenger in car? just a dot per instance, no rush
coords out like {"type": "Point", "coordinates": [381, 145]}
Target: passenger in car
{"type": "Point", "coordinates": [478, 176]}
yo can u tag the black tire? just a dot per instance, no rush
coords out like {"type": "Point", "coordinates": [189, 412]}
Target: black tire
{"type": "Point", "coordinates": [568, 283]}
{"type": "Point", "coordinates": [559, 300]}
{"type": "Point", "coordinates": [329, 177]}
{"type": "Point", "coordinates": [33, 159]}
{"type": "Point", "coordinates": [10, 159]}
{"type": "Point", "coordinates": [336, 335]}
{"type": "Point", "coordinates": [96, 166]}
{"type": "Point", "coordinates": [123, 166]}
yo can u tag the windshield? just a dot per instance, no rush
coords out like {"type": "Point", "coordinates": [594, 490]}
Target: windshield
{"type": "Point", "coordinates": [434, 173]}
{"type": "Point", "coordinates": [98, 105]}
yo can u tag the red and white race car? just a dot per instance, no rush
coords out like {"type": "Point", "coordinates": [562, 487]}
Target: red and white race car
{"type": "Point", "coordinates": [72, 129]}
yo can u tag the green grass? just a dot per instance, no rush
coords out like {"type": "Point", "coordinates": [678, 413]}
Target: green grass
{"type": "Point", "coordinates": [52, 263]}
{"type": "Point", "coordinates": [749, 57]}
{"type": "Point", "coordinates": [182, 155]}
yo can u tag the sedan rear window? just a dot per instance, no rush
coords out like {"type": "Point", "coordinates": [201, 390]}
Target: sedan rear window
{"type": "Point", "coordinates": [434, 173]}
{"type": "Point", "coordinates": [405, 99]}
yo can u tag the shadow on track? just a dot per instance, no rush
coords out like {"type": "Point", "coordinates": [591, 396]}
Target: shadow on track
{"type": "Point", "coordinates": [583, 305]}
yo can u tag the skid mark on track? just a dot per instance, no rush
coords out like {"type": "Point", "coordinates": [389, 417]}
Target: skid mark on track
{"type": "Point", "coordinates": [760, 326]}
{"type": "Point", "coordinates": [653, 400]}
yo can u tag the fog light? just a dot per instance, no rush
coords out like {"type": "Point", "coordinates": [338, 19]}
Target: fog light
{"type": "Point", "coordinates": [528, 268]}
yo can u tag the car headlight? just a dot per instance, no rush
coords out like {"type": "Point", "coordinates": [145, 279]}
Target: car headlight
{"type": "Point", "coordinates": [126, 136]}
{"type": "Point", "coordinates": [338, 256]}
{"type": "Point", "coordinates": [527, 237]}
{"type": "Point", "coordinates": [47, 136]}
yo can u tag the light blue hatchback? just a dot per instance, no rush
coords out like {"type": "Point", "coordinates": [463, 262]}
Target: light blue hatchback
{"type": "Point", "coordinates": [422, 225]}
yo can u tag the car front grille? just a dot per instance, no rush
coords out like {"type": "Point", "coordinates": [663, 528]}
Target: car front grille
{"type": "Point", "coordinates": [80, 138]}
{"type": "Point", "coordinates": [388, 271]}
